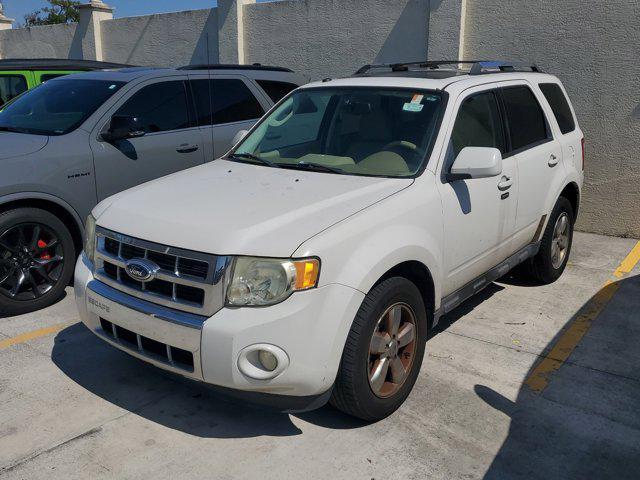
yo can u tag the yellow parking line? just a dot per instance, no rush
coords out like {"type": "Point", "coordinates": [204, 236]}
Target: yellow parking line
{"type": "Point", "coordinates": [564, 346]}
{"type": "Point", "coordinates": [25, 337]}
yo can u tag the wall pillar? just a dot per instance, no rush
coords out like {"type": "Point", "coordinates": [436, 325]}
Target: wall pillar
{"type": "Point", "coordinates": [91, 14]}
{"type": "Point", "coordinates": [447, 29]}
{"type": "Point", "coordinates": [6, 23]}
{"type": "Point", "coordinates": [231, 30]}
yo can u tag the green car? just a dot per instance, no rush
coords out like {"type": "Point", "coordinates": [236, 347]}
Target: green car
{"type": "Point", "coordinates": [19, 75]}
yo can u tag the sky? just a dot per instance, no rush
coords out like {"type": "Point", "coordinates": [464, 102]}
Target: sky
{"type": "Point", "coordinates": [17, 9]}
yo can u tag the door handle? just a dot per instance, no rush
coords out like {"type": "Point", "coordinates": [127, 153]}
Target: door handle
{"type": "Point", "coordinates": [505, 184]}
{"type": "Point", "coordinates": [553, 160]}
{"type": "Point", "coordinates": [186, 148]}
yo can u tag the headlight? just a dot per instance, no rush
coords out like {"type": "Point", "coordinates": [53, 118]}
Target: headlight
{"type": "Point", "coordinates": [267, 281]}
{"type": "Point", "coordinates": [90, 237]}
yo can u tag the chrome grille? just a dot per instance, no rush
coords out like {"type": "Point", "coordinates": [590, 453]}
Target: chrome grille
{"type": "Point", "coordinates": [187, 280]}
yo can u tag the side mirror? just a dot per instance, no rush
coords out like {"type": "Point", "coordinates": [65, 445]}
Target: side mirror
{"type": "Point", "coordinates": [239, 136]}
{"type": "Point", "coordinates": [476, 162]}
{"type": "Point", "coordinates": [123, 127]}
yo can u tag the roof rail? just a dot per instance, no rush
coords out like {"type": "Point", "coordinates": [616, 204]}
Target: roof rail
{"type": "Point", "coordinates": [223, 66]}
{"type": "Point", "coordinates": [56, 63]}
{"type": "Point", "coordinates": [476, 67]}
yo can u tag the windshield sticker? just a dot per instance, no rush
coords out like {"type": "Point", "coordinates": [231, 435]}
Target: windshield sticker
{"type": "Point", "coordinates": [111, 87]}
{"type": "Point", "coordinates": [413, 107]}
{"type": "Point", "coordinates": [417, 98]}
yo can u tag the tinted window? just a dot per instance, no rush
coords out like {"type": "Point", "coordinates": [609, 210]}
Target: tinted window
{"type": "Point", "coordinates": [231, 99]}
{"type": "Point", "coordinates": [478, 124]}
{"type": "Point", "coordinates": [57, 107]}
{"type": "Point", "coordinates": [159, 107]}
{"type": "Point", "coordinates": [560, 106]}
{"type": "Point", "coordinates": [11, 86]}
{"type": "Point", "coordinates": [51, 76]}
{"type": "Point", "coordinates": [276, 90]}
{"type": "Point", "coordinates": [527, 124]}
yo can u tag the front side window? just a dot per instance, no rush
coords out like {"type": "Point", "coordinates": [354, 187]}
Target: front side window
{"type": "Point", "coordinates": [350, 130]}
{"type": "Point", "coordinates": [478, 124]}
{"type": "Point", "coordinates": [527, 123]}
{"type": "Point", "coordinates": [560, 106]}
{"type": "Point", "coordinates": [11, 86]}
{"type": "Point", "coordinates": [231, 99]}
{"type": "Point", "coordinates": [160, 107]}
{"type": "Point", "coordinates": [56, 107]}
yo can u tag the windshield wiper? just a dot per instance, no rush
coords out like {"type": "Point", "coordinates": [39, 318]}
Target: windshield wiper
{"type": "Point", "coordinates": [313, 166]}
{"type": "Point", "coordinates": [5, 128]}
{"type": "Point", "coordinates": [255, 158]}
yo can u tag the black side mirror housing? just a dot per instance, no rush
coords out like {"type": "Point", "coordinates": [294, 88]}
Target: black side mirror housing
{"type": "Point", "coordinates": [123, 127]}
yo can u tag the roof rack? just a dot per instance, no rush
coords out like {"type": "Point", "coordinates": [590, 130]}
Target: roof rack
{"type": "Point", "coordinates": [476, 67]}
{"type": "Point", "coordinates": [223, 66]}
{"type": "Point", "coordinates": [56, 63]}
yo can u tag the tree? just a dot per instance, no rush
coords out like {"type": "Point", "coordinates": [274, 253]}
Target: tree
{"type": "Point", "coordinates": [60, 11]}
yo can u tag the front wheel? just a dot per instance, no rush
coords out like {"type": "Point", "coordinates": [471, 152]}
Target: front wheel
{"type": "Point", "coordinates": [384, 351]}
{"type": "Point", "coordinates": [37, 257]}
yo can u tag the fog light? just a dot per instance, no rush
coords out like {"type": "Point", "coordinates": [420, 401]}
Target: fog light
{"type": "Point", "coordinates": [268, 360]}
{"type": "Point", "coordinates": [262, 361]}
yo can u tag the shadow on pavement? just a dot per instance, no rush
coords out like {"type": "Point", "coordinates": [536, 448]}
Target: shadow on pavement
{"type": "Point", "coordinates": [586, 423]}
{"type": "Point", "coordinates": [168, 399]}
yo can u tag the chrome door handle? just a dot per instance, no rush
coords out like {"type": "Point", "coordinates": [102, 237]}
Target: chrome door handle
{"type": "Point", "coordinates": [553, 160]}
{"type": "Point", "coordinates": [505, 184]}
{"type": "Point", "coordinates": [186, 148]}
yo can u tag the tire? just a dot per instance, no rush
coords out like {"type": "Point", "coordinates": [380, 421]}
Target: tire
{"type": "Point", "coordinates": [544, 268]}
{"type": "Point", "coordinates": [353, 392]}
{"type": "Point", "coordinates": [48, 260]}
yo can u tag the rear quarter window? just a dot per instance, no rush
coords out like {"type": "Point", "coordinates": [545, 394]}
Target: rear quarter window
{"type": "Point", "coordinates": [276, 90]}
{"type": "Point", "coordinates": [560, 106]}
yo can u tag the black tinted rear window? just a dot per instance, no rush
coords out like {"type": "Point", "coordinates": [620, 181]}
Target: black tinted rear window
{"type": "Point", "coordinates": [276, 90]}
{"type": "Point", "coordinates": [231, 99]}
{"type": "Point", "coordinates": [527, 123]}
{"type": "Point", "coordinates": [560, 106]}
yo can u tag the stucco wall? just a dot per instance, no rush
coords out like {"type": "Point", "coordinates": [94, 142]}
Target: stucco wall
{"type": "Point", "coordinates": [55, 41]}
{"type": "Point", "coordinates": [322, 38]}
{"type": "Point", "coordinates": [593, 48]}
{"type": "Point", "coordinates": [172, 39]}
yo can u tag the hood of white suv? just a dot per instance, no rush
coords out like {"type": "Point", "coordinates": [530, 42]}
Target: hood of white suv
{"type": "Point", "coordinates": [17, 144]}
{"type": "Point", "coordinates": [231, 208]}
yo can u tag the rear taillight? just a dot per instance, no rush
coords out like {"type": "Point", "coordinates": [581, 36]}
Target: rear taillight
{"type": "Point", "coordinates": [583, 154]}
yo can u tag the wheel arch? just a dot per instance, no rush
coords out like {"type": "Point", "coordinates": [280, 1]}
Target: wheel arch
{"type": "Point", "coordinates": [571, 192]}
{"type": "Point", "coordinates": [51, 204]}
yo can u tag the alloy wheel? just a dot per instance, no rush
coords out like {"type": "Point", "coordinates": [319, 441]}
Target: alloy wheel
{"type": "Point", "coordinates": [560, 240]}
{"type": "Point", "coordinates": [31, 261]}
{"type": "Point", "coordinates": [391, 350]}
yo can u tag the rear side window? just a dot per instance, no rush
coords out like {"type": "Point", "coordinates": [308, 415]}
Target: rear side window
{"type": "Point", "coordinates": [51, 76]}
{"type": "Point", "coordinates": [478, 124]}
{"type": "Point", "coordinates": [527, 123]}
{"type": "Point", "coordinates": [560, 106]}
{"type": "Point", "coordinates": [276, 90]}
{"type": "Point", "coordinates": [159, 107]}
{"type": "Point", "coordinates": [231, 99]}
{"type": "Point", "coordinates": [11, 86]}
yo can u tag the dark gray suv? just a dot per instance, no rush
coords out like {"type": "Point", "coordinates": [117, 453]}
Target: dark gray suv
{"type": "Point", "coordinates": [73, 141]}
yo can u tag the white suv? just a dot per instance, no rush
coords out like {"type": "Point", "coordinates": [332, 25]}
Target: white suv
{"type": "Point", "coordinates": [310, 262]}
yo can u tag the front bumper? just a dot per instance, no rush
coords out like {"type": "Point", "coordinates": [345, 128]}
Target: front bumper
{"type": "Point", "coordinates": [311, 327]}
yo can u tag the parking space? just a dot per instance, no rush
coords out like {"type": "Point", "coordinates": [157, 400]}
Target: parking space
{"type": "Point", "coordinates": [522, 381]}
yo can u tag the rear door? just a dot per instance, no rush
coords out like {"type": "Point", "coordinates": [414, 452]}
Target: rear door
{"type": "Point", "coordinates": [537, 153]}
{"type": "Point", "coordinates": [171, 142]}
{"type": "Point", "coordinates": [236, 105]}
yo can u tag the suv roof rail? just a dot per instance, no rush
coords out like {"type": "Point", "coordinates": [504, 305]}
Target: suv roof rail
{"type": "Point", "coordinates": [477, 67]}
{"type": "Point", "coordinates": [56, 63]}
{"type": "Point", "coordinates": [226, 66]}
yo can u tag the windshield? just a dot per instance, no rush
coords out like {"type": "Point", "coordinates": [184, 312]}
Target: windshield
{"type": "Point", "coordinates": [355, 130]}
{"type": "Point", "coordinates": [56, 107]}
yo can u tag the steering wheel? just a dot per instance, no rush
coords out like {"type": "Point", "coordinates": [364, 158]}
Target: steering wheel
{"type": "Point", "coordinates": [401, 144]}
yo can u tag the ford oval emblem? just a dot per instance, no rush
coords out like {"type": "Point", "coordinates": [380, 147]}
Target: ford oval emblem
{"type": "Point", "coordinates": [141, 269]}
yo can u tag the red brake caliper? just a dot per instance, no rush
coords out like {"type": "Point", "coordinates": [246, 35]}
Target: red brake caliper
{"type": "Point", "coordinates": [45, 255]}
